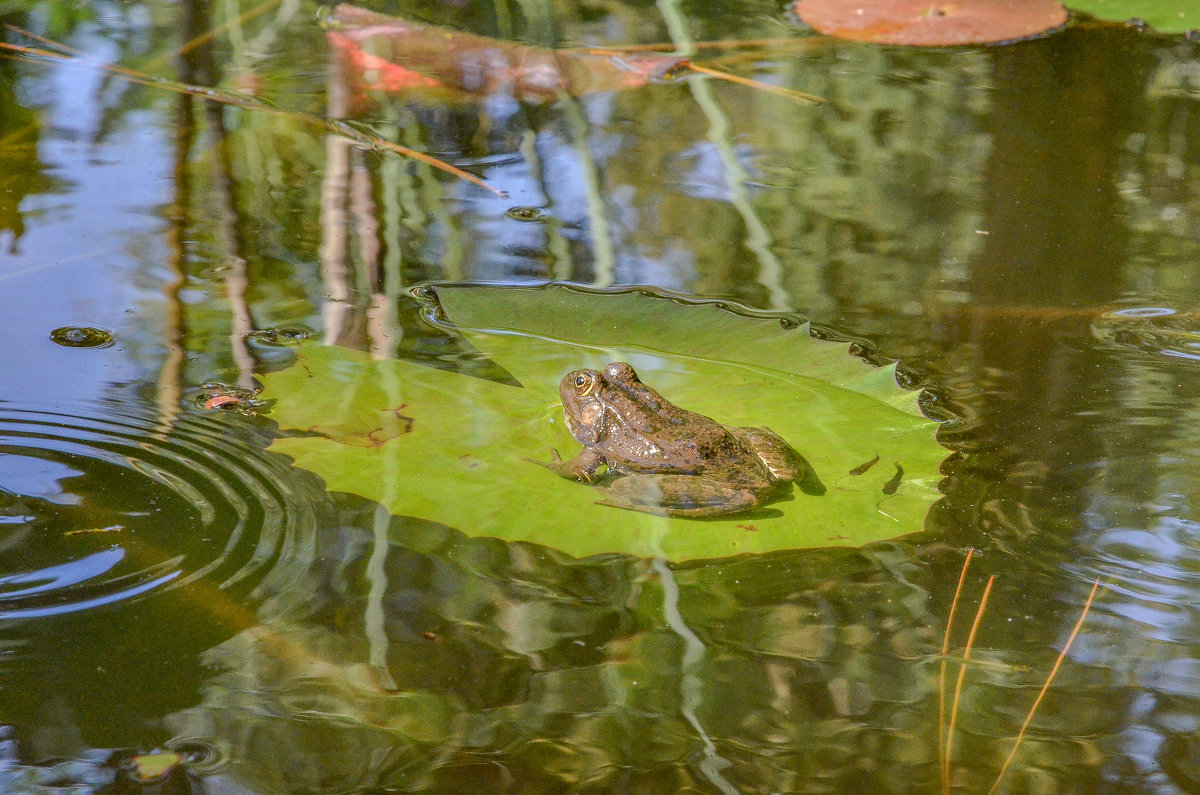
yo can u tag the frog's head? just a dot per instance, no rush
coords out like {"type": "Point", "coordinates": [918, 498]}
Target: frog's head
{"type": "Point", "coordinates": [583, 406]}
{"type": "Point", "coordinates": [599, 403]}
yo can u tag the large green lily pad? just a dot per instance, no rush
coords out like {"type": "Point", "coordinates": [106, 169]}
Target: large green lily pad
{"type": "Point", "coordinates": [448, 447]}
{"type": "Point", "coordinates": [1167, 16]}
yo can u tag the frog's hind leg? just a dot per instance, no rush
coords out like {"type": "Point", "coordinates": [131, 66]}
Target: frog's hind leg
{"type": "Point", "coordinates": [779, 457]}
{"type": "Point", "coordinates": [677, 495]}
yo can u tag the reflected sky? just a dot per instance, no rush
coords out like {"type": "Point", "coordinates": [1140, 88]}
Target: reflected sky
{"type": "Point", "coordinates": [1017, 225]}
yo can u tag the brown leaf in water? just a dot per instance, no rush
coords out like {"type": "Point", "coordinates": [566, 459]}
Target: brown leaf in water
{"type": "Point", "coordinates": [932, 23]}
{"type": "Point", "coordinates": [383, 53]}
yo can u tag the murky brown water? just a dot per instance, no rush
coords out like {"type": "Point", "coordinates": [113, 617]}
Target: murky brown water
{"type": "Point", "coordinates": [1019, 226]}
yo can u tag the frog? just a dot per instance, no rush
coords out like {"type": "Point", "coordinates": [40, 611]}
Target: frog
{"type": "Point", "coordinates": [666, 459]}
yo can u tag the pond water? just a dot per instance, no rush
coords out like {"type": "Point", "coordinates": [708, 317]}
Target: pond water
{"type": "Point", "coordinates": [1018, 226]}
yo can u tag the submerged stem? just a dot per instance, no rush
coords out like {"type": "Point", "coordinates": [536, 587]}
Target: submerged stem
{"type": "Point", "coordinates": [1046, 686]}
{"type": "Point", "coordinates": [943, 757]}
{"type": "Point", "coordinates": [962, 673]}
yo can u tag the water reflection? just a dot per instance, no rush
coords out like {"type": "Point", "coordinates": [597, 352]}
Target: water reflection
{"type": "Point", "coordinates": [443, 663]}
{"type": "Point", "coordinates": [104, 503]}
{"type": "Point", "coordinates": [108, 509]}
{"type": "Point", "coordinates": [1007, 221]}
{"type": "Point", "coordinates": [54, 582]}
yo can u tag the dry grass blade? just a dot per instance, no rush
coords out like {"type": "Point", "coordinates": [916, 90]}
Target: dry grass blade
{"type": "Point", "coordinates": [798, 96]}
{"type": "Point", "coordinates": [62, 49]}
{"type": "Point", "coordinates": [790, 43]}
{"type": "Point", "coordinates": [369, 139]}
{"type": "Point", "coordinates": [208, 36]}
{"type": "Point", "coordinates": [66, 55]}
{"type": "Point", "coordinates": [962, 673]}
{"type": "Point", "coordinates": [1041, 693]}
{"type": "Point", "coordinates": [943, 759]}
{"type": "Point", "coordinates": [70, 58]}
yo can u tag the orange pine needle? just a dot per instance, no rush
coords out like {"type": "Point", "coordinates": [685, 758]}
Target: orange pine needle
{"type": "Point", "coordinates": [799, 96]}
{"type": "Point", "coordinates": [943, 760]}
{"type": "Point", "coordinates": [354, 134]}
{"type": "Point", "coordinates": [62, 48]}
{"type": "Point", "coordinates": [247, 103]}
{"type": "Point", "coordinates": [208, 36]}
{"type": "Point", "coordinates": [789, 42]}
{"type": "Point", "coordinates": [1037, 701]}
{"type": "Point", "coordinates": [34, 51]}
{"type": "Point", "coordinates": [962, 674]}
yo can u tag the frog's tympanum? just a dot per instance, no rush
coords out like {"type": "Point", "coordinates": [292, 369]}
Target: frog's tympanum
{"type": "Point", "coordinates": [668, 460]}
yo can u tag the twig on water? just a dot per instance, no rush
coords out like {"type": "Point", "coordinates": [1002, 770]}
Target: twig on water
{"type": "Point", "coordinates": [962, 673]}
{"type": "Point", "coordinates": [799, 96]}
{"type": "Point", "coordinates": [1041, 693]}
{"type": "Point", "coordinates": [65, 54]}
{"type": "Point", "coordinates": [943, 760]}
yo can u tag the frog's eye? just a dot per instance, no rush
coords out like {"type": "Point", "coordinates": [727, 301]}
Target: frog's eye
{"type": "Point", "coordinates": [584, 384]}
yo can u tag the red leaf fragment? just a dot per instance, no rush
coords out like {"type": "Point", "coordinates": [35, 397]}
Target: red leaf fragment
{"type": "Point", "coordinates": [932, 24]}
{"type": "Point", "coordinates": [391, 54]}
{"type": "Point", "coordinates": [381, 75]}
{"type": "Point", "coordinates": [217, 401]}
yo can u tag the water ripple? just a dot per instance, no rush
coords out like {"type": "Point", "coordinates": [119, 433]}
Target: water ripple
{"type": "Point", "coordinates": [105, 502]}
{"type": "Point", "coordinates": [1152, 329]}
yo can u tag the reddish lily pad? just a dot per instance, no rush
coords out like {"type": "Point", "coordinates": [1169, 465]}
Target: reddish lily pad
{"type": "Point", "coordinates": [932, 24]}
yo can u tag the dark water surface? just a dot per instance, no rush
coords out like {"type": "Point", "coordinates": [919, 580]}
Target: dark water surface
{"type": "Point", "coordinates": [1019, 226]}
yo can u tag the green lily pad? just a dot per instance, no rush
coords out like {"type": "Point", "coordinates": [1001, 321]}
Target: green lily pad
{"type": "Point", "coordinates": [1166, 16]}
{"type": "Point", "coordinates": [449, 447]}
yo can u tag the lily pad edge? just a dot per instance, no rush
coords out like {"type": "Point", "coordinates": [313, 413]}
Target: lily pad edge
{"type": "Point", "coordinates": [856, 349]}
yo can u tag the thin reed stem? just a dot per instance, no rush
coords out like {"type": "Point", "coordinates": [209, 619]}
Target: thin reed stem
{"type": "Point", "coordinates": [354, 133]}
{"type": "Point", "coordinates": [799, 96]}
{"type": "Point", "coordinates": [1041, 693]}
{"type": "Point", "coordinates": [943, 760]}
{"type": "Point", "coordinates": [962, 673]}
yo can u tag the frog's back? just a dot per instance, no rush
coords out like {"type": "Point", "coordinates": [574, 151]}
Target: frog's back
{"type": "Point", "coordinates": [699, 445]}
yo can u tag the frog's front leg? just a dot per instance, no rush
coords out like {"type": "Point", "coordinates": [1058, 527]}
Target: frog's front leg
{"type": "Point", "coordinates": [581, 468]}
{"type": "Point", "coordinates": [678, 495]}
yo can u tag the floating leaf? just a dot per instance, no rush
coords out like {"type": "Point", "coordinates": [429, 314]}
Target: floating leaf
{"type": "Point", "coordinates": [154, 765]}
{"type": "Point", "coordinates": [448, 447]}
{"type": "Point", "coordinates": [1167, 16]}
{"type": "Point", "coordinates": [932, 23]}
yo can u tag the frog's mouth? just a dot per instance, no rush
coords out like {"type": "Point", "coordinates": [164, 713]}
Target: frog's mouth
{"type": "Point", "coordinates": [586, 432]}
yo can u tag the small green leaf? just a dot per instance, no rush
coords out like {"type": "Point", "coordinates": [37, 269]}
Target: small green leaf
{"type": "Point", "coordinates": [1166, 16]}
{"type": "Point", "coordinates": [448, 447]}
{"type": "Point", "coordinates": [155, 764]}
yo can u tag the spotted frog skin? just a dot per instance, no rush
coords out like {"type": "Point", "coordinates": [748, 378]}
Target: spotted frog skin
{"type": "Point", "coordinates": [669, 460]}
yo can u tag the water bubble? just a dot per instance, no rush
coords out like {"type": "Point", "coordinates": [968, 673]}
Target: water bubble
{"type": "Point", "coordinates": [524, 214]}
{"type": "Point", "coordinates": [196, 753]}
{"type": "Point", "coordinates": [81, 337]}
{"type": "Point", "coordinates": [1141, 311]}
{"type": "Point", "coordinates": [283, 335]}
{"type": "Point", "coordinates": [1151, 329]}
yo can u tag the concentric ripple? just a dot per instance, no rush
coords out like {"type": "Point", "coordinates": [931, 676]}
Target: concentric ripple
{"type": "Point", "coordinates": [1153, 329]}
{"type": "Point", "coordinates": [106, 502]}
